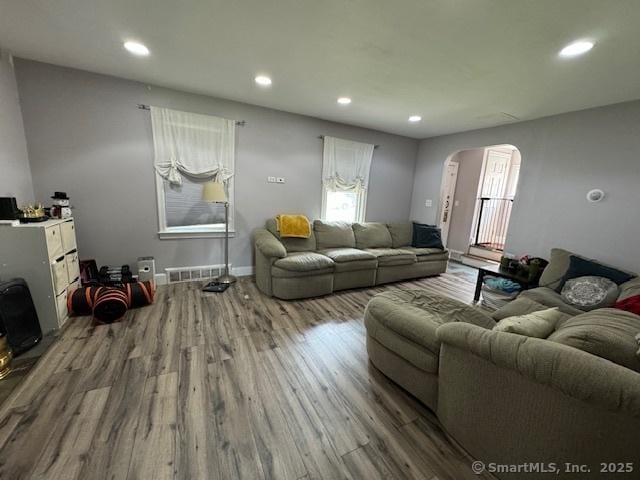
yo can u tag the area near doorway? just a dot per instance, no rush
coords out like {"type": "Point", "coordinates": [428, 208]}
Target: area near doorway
{"type": "Point", "coordinates": [478, 189]}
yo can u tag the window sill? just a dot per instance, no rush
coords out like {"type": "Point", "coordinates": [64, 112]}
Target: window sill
{"type": "Point", "coordinates": [193, 233]}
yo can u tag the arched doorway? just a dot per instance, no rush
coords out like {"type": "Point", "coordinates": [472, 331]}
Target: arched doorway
{"type": "Point", "coordinates": [478, 189]}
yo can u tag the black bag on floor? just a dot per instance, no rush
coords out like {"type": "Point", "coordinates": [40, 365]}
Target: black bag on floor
{"type": "Point", "coordinates": [18, 317]}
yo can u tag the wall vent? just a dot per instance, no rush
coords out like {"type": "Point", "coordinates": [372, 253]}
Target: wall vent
{"type": "Point", "coordinates": [193, 274]}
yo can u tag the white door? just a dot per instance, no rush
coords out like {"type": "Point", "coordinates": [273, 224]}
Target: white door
{"type": "Point", "coordinates": [446, 202]}
{"type": "Point", "coordinates": [494, 183]}
{"type": "Point", "coordinates": [495, 211]}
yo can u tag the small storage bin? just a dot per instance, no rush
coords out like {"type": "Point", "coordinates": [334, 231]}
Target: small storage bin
{"type": "Point", "coordinates": [493, 298]}
{"type": "Point", "coordinates": [54, 242]}
{"type": "Point", "coordinates": [68, 234]}
{"type": "Point", "coordinates": [73, 267]}
{"type": "Point", "coordinates": [60, 276]}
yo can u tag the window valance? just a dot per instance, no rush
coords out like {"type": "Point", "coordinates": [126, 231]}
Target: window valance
{"type": "Point", "coordinates": [346, 164]}
{"type": "Point", "coordinates": [201, 146]}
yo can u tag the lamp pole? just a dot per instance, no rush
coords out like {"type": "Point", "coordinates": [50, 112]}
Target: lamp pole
{"type": "Point", "coordinates": [226, 277]}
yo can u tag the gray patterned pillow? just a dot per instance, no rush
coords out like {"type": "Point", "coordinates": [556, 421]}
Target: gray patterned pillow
{"type": "Point", "coordinates": [589, 293]}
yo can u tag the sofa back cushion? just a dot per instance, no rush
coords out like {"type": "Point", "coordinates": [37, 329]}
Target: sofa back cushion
{"type": "Point", "coordinates": [292, 244]}
{"type": "Point", "coordinates": [401, 234]}
{"type": "Point", "coordinates": [607, 333]}
{"type": "Point", "coordinates": [333, 234]}
{"type": "Point", "coordinates": [629, 289]}
{"type": "Point", "coordinates": [538, 324]}
{"type": "Point", "coordinates": [553, 274]}
{"type": "Point", "coordinates": [372, 235]}
{"type": "Point", "coordinates": [580, 267]}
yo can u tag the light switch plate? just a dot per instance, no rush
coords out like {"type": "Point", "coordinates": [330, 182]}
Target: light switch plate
{"type": "Point", "coordinates": [271, 179]}
{"type": "Point", "coordinates": [428, 203]}
{"type": "Point", "coordinates": [456, 203]}
{"type": "Point", "coordinates": [280, 180]}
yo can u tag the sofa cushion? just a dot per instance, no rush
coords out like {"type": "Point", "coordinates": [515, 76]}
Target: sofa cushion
{"type": "Point", "coordinates": [304, 263]}
{"type": "Point", "coordinates": [607, 333]}
{"type": "Point", "coordinates": [539, 324]}
{"type": "Point", "coordinates": [401, 234]}
{"type": "Point", "coordinates": [520, 306]}
{"type": "Point", "coordinates": [553, 274]}
{"type": "Point", "coordinates": [351, 259]}
{"type": "Point", "coordinates": [333, 235]}
{"type": "Point", "coordinates": [550, 298]}
{"type": "Point", "coordinates": [340, 255]}
{"type": "Point", "coordinates": [580, 267]}
{"type": "Point", "coordinates": [292, 244]}
{"type": "Point", "coordinates": [629, 289]}
{"type": "Point", "coordinates": [426, 236]}
{"type": "Point", "coordinates": [428, 254]}
{"type": "Point", "coordinates": [589, 293]}
{"type": "Point", "coordinates": [416, 315]}
{"type": "Point", "coordinates": [372, 235]}
{"type": "Point", "coordinates": [393, 256]}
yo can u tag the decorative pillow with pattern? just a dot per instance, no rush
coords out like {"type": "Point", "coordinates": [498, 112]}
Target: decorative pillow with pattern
{"type": "Point", "coordinates": [589, 292]}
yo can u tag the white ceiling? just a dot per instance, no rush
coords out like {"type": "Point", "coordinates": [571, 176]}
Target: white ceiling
{"type": "Point", "coordinates": [460, 64]}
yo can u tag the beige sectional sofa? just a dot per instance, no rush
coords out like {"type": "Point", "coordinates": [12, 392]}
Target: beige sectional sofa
{"type": "Point", "coordinates": [340, 256]}
{"type": "Point", "coordinates": [510, 399]}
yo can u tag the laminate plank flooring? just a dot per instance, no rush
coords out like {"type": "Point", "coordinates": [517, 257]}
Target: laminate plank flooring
{"type": "Point", "coordinates": [226, 386]}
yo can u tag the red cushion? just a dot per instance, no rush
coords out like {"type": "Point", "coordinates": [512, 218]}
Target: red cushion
{"type": "Point", "coordinates": [630, 304]}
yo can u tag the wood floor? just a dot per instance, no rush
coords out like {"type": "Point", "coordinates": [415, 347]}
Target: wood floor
{"type": "Point", "coordinates": [225, 386]}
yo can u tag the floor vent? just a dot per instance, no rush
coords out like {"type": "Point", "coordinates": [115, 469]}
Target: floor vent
{"type": "Point", "coordinates": [193, 274]}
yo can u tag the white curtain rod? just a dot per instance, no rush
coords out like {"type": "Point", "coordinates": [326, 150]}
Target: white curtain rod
{"type": "Point", "coordinates": [142, 106]}
{"type": "Point", "coordinates": [321, 137]}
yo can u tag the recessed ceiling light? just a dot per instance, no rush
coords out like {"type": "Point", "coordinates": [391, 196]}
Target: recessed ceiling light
{"type": "Point", "coordinates": [344, 100]}
{"type": "Point", "coordinates": [136, 48]}
{"type": "Point", "coordinates": [263, 80]}
{"type": "Point", "coordinates": [576, 48]}
{"type": "Point", "coordinates": [415, 118]}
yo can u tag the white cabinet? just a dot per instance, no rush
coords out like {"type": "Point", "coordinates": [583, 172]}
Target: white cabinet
{"type": "Point", "coordinates": [45, 255]}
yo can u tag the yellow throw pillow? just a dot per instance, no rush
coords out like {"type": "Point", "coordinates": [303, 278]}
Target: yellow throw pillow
{"type": "Point", "coordinates": [538, 324]}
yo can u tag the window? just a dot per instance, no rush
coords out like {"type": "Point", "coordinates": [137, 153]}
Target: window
{"type": "Point", "coordinates": [344, 206]}
{"type": "Point", "coordinates": [183, 213]}
{"type": "Point", "coordinates": [345, 179]}
{"type": "Point", "coordinates": [191, 149]}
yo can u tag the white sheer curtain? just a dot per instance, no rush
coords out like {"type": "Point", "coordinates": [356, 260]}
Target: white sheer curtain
{"type": "Point", "coordinates": [345, 179]}
{"type": "Point", "coordinates": [201, 146]}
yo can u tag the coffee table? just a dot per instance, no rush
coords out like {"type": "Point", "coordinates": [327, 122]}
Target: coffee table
{"type": "Point", "coordinates": [497, 271]}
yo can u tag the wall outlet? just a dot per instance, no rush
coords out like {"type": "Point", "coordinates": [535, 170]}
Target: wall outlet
{"type": "Point", "coordinates": [271, 179]}
{"type": "Point", "coordinates": [428, 203]}
{"type": "Point", "coordinates": [280, 180]}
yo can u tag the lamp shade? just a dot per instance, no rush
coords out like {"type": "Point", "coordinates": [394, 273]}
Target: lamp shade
{"type": "Point", "coordinates": [214, 192]}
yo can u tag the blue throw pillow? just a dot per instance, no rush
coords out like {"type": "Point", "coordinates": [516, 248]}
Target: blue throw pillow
{"type": "Point", "coordinates": [581, 267]}
{"type": "Point", "coordinates": [426, 236]}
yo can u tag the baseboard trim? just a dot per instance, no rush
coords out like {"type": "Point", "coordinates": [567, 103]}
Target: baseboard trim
{"type": "Point", "coordinates": [243, 271]}
{"type": "Point", "coordinates": [161, 278]}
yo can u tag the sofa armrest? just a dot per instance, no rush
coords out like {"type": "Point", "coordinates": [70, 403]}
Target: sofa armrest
{"type": "Point", "coordinates": [578, 374]}
{"type": "Point", "coordinates": [268, 244]}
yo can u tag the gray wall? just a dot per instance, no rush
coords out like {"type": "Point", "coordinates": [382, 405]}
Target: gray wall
{"type": "Point", "coordinates": [87, 137]}
{"type": "Point", "coordinates": [563, 157]}
{"type": "Point", "coordinates": [469, 170]}
{"type": "Point", "coordinates": [15, 175]}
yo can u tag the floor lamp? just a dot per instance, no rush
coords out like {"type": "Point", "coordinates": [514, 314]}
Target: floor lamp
{"type": "Point", "coordinates": [213, 192]}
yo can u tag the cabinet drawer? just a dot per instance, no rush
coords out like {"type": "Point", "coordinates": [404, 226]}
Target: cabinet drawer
{"type": "Point", "coordinates": [73, 267]}
{"type": "Point", "coordinates": [61, 306]}
{"type": "Point", "coordinates": [68, 234]}
{"type": "Point", "coordinates": [54, 242]}
{"type": "Point", "coordinates": [60, 276]}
